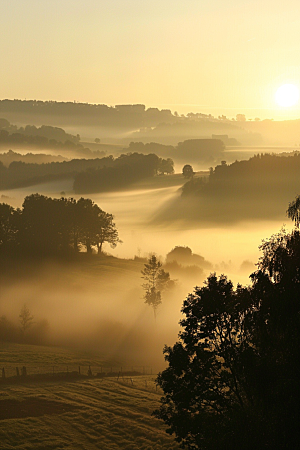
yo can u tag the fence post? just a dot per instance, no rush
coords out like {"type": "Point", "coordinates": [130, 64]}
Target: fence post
{"type": "Point", "coordinates": [3, 372]}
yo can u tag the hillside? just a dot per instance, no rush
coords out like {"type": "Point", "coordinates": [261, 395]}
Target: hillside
{"type": "Point", "coordinates": [92, 414]}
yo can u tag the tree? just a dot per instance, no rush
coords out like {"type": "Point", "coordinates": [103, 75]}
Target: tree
{"type": "Point", "coordinates": [293, 211]}
{"type": "Point", "coordinates": [165, 166]}
{"type": "Point", "coordinates": [26, 319]}
{"type": "Point", "coordinates": [156, 280]}
{"type": "Point", "coordinates": [187, 171]}
{"type": "Point", "coordinates": [106, 230]}
{"type": "Point", "coordinates": [8, 225]}
{"type": "Point", "coordinates": [232, 379]}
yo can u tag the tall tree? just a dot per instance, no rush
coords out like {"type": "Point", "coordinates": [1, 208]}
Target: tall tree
{"type": "Point", "coordinates": [293, 211]}
{"type": "Point", "coordinates": [26, 319]}
{"type": "Point", "coordinates": [232, 379]}
{"type": "Point", "coordinates": [8, 225]}
{"type": "Point", "coordinates": [106, 230]}
{"type": "Point", "coordinates": [156, 280]}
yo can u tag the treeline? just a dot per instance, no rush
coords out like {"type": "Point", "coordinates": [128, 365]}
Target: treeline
{"type": "Point", "coordinates": [34, 158]}
{"type": "Point", "coordinates": [46, 131]}
{"type": "Point", "coordinates": [258, 188]}
{"type": "Point", "coordinates": [44, 137]}
{"type": "Point", "coordinates": [190, 150]}
{"type": "Point", "coordinates": [125, 170]}
{"type": "Point", "coordinates": [47, 226]}
{"type": "Point", "coordinates": [262, 175]}
{"type": "Point", "coordinates": [19, 174]}
{"type": "Point", "coordinates": [90, 175]}
{"type": "Point", "coordinates": [131, 116]}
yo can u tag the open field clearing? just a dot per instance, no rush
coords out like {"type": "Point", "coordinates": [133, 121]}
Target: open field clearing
{"type": "Point", "coordinates": [89, 413]}
{"type": "Point", "coordinates": [92, 414]}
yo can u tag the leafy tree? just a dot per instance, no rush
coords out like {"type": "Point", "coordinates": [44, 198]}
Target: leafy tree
{"type": "Point", "coordinates": [106, 230]}
{"type": "Point", "coordinates": [165, 166]}
{"type": "Point", "coordinates": [293, 211]}
{"type": "Point", "coordinates": [232, 379]}
{"type": "Point", "coordinates": [187, 171]}
{"type": "Point", "coordinates": [50, 226]}
{"type": "Point", "coordinates": [26, 319]}
{"type": "Point", "coordinates": [8, 225]}
{"type": "Point", "coordinates": [156, 280]}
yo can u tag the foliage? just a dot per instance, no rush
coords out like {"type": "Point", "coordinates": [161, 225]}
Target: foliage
{"type": "Point", "coordinates": [124, 171]}
{"type": "Point", "coordinates": [293, 211]}
{"type": "Point", "coordinates": [49, 226]}
{"type": "Point", "coordinates": [232, 379]}
{"type": "Point", "coordinates": [26, 319]}
{"type": "Point", "coordinates": [187, 171]}
{"type": "Point", "coordinates": [185, 256]}
{"type": "Point", "coordinates": [156, 280]}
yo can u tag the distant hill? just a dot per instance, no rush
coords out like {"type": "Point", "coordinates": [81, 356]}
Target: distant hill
{"type": "Point", "coordinates": [260, 188]}
{"type": "Point", "coordinates": [34, 158]}
{"type": "Point", "coordinates": [148, 124]}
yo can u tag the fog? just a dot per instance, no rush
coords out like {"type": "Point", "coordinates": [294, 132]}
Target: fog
{"type": "Point", "coordinates": [98, 305]}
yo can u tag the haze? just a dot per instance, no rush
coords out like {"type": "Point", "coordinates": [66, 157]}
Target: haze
{"type": "Point", "coordinates": [134, 136]}
{"type": "Point", "coordinates": [210, 56]}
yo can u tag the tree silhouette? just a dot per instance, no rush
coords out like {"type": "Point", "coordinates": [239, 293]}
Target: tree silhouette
{"type": "Point", "coordinates": [293, 211]}
{"type": "Point", "coordinates": [26, 319]}
{"type": "Point", "coordinates": [156, 280]}
{"type": "Point", "coordinates": [187, 171]}
{"type": "Point", "coordinates": [232, 379]}
{"type": "Point", "coordinates": [51, 226]}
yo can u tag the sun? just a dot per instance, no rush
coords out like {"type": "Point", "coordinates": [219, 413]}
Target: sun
{"type": "Point", "coordinates": [287, 95]}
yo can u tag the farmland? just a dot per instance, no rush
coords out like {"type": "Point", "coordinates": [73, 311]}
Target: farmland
{"type": "Point", "coordinates": [89, 413]}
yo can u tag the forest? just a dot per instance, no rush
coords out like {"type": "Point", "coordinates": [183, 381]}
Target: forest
{"type": "Point", "coordinates": [238, 191]}
{"type": "Point", "coordinates": [90, 175]}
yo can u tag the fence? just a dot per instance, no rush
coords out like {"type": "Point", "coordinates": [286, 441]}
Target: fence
{"type": "Point", "coordinates": [15, 373]}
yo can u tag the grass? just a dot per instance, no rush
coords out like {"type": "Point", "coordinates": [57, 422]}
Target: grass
{"type": "Point", "coordinates": [95, 413]}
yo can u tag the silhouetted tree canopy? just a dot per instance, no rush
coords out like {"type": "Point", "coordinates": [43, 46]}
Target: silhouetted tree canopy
{"type": "Point", "coordinates": [258, 188]}
{"type": "Point", "coordinates": [124, 171]}
{"type": "Point", "coordinates": [155, 281]}
{"type": "Point", "coordinates": [187, 171]}
{"type": "Point", "coordinates": [90, 175]}
{"type": "Point", "coordinates": [52, 226]}
{"type": "Point", "coordinates": [233, 377]}
{"type": "Point", "coordinates": [185, 256]}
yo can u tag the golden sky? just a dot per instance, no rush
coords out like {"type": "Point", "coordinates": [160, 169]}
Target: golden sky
{"type": "Point", "coordinates": [217, 56]}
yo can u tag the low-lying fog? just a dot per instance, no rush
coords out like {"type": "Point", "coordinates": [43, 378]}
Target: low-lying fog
{"type": "Point", "coordinates": [103, 309]}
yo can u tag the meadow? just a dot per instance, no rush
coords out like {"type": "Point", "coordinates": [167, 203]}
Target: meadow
{"type": "Point", "coordinates": [93, 413]}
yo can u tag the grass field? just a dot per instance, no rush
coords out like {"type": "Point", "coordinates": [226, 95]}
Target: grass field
{"type": "Point", "coordinates": [95, 413]}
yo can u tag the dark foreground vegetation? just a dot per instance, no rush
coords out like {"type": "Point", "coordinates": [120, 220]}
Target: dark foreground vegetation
{"type": "Point", "coordinates": [232, 379]}
{"type": "Point", "coordinates": [47, 226]}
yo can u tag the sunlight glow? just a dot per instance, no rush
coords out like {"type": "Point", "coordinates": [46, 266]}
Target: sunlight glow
{"type": "Point", "coordinates": [287, 95]}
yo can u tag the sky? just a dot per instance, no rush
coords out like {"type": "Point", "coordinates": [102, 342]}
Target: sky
{"type": "Point", "coordinates": [211, 56]}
